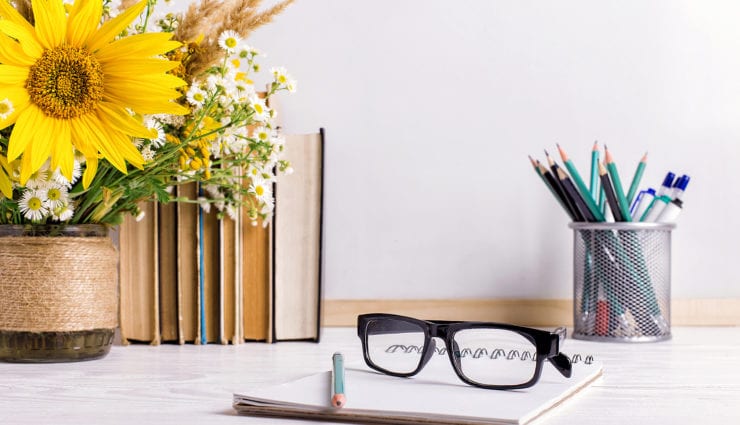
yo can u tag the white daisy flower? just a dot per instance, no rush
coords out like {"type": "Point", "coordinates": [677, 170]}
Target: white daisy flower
{"type": "Point", "coordinates": [260, 189]}
{"type": "Point", "coordinates": [231, 211]}
{"type": "Point", "coordinates": [197, 96]}
{"type": "Point", "coordinates": [63, 213]}
{"type": "Point", "coordinates": [262, 134]}
{"type": "Point", "coordinates": [147, 153]}
{"type": "Point", "coordinates": [32, 205]}
{"type": "Point", "coordinates": [155, 125]}
{"type": "Point", "coordinates": [254, 172]}
{"type": "Point", "coordinates": [229, 40]}
{"type": "Point", "coordinates": [284, 79]}
{"type": "Point", "coordinates": [6, 108]}
{"type": "Point", "coordinates": [261, 112]}
{"type": "Point", "coordinates": [56, 196]}
{"type": "Point", "coordinates": [204, 205]}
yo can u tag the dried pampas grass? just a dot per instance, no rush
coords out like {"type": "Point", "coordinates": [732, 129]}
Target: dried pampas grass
{"type": "Point", "coordinates": [213, 17]}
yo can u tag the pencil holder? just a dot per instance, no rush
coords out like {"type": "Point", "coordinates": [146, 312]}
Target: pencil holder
{"type": "Point", "coordinates": [622, 281]}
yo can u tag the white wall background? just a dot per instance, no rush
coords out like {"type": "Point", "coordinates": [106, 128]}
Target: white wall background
{"type": "Point", "coordinates": [431, 108]}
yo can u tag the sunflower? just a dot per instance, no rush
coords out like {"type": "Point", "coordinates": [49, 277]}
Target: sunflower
{"type": "Point", "coordinates": [73, 85]}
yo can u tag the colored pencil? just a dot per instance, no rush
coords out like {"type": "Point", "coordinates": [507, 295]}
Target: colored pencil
{"type": "Point", "coordinates": [572, 192]}
{"type": "Point", "coordinates": [577, 212]}
{"type": "Point", "coordinates": [624, 208]}
{"type": "Point", "coordinates": [584, 191]}
{"type": "Point", "coordinates": [594, 186]}
{"type": "Point", "coordinates": [606, 184]}
{"type": "Point", "coordinates": [553, 187]}
{"type": "Point", "coordinates": [636, 179]}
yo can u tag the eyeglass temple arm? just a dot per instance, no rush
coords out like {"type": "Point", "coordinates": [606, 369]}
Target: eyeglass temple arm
{"type": "Point", "coordinates": [561, 362]}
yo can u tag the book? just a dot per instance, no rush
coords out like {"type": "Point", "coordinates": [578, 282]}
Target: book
{"type": "Point", "coordinates": [434, 397]}
{"type": "Point", "coordinates": [256, 272]}
{"type": "Point", "coordinates": [139, 281]}
{"type": "Point", "coordinates": [210, 276]}
{"type": "Point", "coordinates": [167, 273]}
{"type": "Point", "coordinates": [297, 241]}
{"type": "Point", "coordinates": [228, 252]}
{"type": "Point", "coordinates": [187, 264]}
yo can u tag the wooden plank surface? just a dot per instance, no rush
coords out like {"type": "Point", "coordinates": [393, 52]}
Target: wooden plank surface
{"type": "Point", "coordinates": [528, 312]}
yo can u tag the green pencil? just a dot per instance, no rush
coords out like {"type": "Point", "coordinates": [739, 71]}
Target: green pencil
{"type": "Point", "coordinates": [585, 193]}
{"type": "Point", "coordinates": [617, 183]}
{"type": "Point", "coordinates": [595, 172]}
{"type": "Point", "coordinates": [636, 179]}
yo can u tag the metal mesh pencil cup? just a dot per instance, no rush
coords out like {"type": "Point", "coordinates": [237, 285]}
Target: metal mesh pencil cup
{"type": "Point", "coordinates": [622, 281]}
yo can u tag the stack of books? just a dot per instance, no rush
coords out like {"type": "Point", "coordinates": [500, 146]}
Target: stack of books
{"type": "Point", "coordinates": [188, 277]}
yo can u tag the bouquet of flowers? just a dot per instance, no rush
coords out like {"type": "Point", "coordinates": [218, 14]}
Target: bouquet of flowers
{"type": "Point", "coordinates": [103, 104]}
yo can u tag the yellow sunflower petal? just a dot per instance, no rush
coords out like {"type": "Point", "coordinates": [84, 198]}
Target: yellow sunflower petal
{"type": "Point", "coordinates": [136, 67]}
{"type": "Point", "coordinates": [83, 20]}
{"type": "Point", "coordinates": [51, 24]}
{"type": "Point", "coordinates": [114, 27]}
{"type": "Point", "coordinates": [18, 96]}
{"type": "Point", "coordinates": [26, 168]}
{"type": "Point", "coordinates": [44, 138]}
{"type": "Point", "coordinates": [97, 137]}
{"type": "Point", "coordinates": [6, 186]}
{"type": "Point", "coordinates": [10, 13]}
{"type": "Point", "coordinates": [91, 168]}
{"type": "Point", "coordinates": [24, 131]}
{"type": "Point", "coordinates": [145, 104]}
{"type": "Point", "coordinates": [12, 54]}
{"type": "Point", "coordinates": [13, 75]}
{"type": "Point", "coordinates": [118, 117]}
{"type": "Point", "coordinates": [62, 151]}
{"type": "Point", "coordinates": [26, 38]}
{"type": "Point", "coordinates": [123, 144]}
{"type": "Point", "coordinates": [80, 138]}
{"type": "Point", "coordinates": [143, 45]}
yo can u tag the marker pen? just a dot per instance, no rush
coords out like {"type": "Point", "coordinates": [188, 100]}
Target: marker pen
{"type": "Point", "coordinates": [656, 208]}
{"type": "Point", "coordinates": [642, 202]}
{"type": "Point", "coordinates": [680, 187]}
{"type": "Point", "coordinates": [665, 189]}
{"type": "Point", "coordinates": [667, 185]}
{"type": "Point", "coordinates": [671, 211]}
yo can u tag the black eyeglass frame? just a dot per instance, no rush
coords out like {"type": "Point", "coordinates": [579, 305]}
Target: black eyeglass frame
{"type": "Point", "coordinates": [547, 345]}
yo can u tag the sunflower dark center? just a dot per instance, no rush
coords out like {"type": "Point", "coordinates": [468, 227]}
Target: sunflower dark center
{"type": "Point", "coordinates": [65, 82]}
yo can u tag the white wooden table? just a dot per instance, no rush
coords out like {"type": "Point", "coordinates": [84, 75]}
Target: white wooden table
{"type": "Point", "coordinates": [693, 378]}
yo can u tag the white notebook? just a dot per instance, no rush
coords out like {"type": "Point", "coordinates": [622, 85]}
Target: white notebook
{"type": "Point", "coordinates": [435, 396]}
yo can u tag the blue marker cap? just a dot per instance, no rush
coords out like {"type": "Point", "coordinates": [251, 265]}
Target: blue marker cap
{"type": "Point", "coordinates": [682, 182]}
{"type": "Point", "coordinates": [668, 180]}
{"type": "Point", "coordinates": [650, 190]}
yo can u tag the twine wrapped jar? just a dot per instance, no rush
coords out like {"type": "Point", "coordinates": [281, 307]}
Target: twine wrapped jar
{"type": "Point", "coordinates": [58, 292]}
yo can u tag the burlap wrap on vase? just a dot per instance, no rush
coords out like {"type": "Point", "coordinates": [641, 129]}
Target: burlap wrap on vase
{"type": "Point", "coordinates": [58, 295]}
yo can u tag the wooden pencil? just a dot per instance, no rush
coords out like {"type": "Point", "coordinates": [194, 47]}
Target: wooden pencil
{"type": "Point", "coordinates": [577, 212]}
{"type": "Point", "coordinates": [611, 198]}
{"type": "Point", "coordinates": [572, 192]}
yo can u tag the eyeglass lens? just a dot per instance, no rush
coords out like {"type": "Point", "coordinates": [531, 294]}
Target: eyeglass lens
{"type": "Point", "coordinates": [395, 345]}
{"type": "Point", "coordinates": [485, 356]}
{"type": "Point", "coordinates": [495, 356]}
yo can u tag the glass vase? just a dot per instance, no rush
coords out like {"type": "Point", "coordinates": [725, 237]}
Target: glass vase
{"type": "Point", "coordinates": [58, 292]}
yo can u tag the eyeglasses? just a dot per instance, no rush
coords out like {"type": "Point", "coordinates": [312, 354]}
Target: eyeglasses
{"type": "Point", "coordinates": [486, 355]}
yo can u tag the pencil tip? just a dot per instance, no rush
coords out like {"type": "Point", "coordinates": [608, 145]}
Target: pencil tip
{"type": "Point", "coordinates": [644, 157]}
{"type": "Point", "coordinates": [596, 145]}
